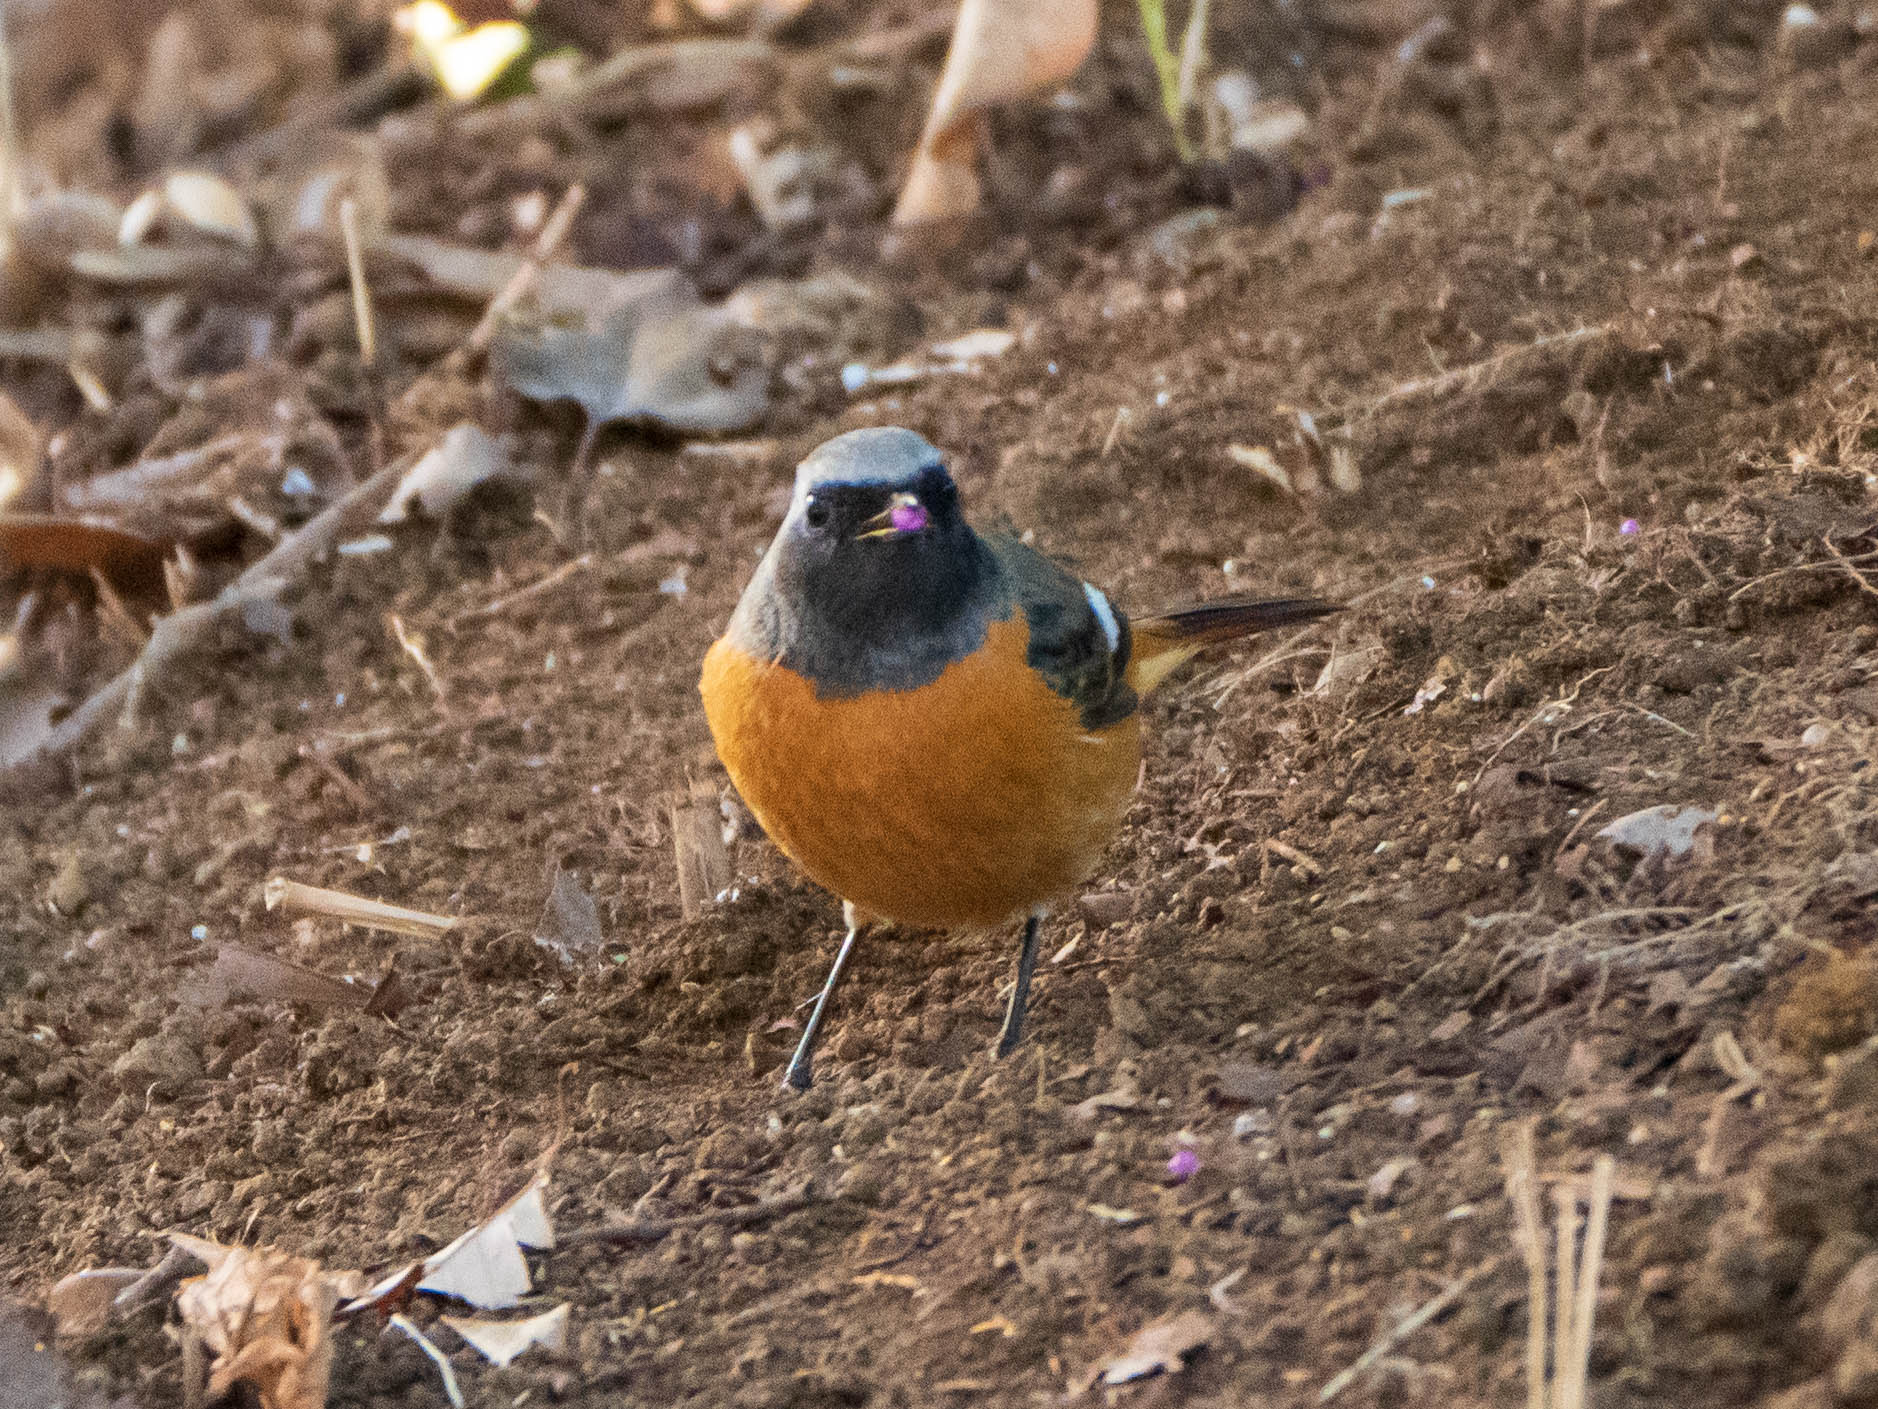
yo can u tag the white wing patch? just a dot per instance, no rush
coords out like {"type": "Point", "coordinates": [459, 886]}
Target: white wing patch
{"type": "Point", "coordinates": [1105, 614]}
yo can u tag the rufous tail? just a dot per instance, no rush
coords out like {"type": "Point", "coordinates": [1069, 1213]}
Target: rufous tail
{"type": "Point", "coordinates": [1166, 640]}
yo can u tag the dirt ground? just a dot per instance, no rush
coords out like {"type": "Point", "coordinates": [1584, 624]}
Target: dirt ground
{"type": "Point", "coordinates": [1361, 924]}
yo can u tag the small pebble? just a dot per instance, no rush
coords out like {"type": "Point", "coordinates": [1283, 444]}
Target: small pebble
{"type": "Point", "coordinates": [1183, 1166]}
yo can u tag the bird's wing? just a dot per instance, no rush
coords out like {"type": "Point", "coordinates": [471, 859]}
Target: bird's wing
{"type": "Point", "coordinates": [1079, 640]}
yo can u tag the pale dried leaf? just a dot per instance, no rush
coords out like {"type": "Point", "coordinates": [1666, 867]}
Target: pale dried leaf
{"type": "Point", "coordinates": [464, 458]}
{"type": "Point", "coordinates": [207, 203]}
{"type": "Point", "coordinates": [570, 921]}
{"type": "Point", "coordinates": [238, 973]}
{"type": "Point", "coordinates": [1655, 830]}
{"type": "Point", "coordinates": [1001, 49]}
{"type": "Point", "coordinates": [667, 358]}
{"type": "Point", "coordinates": [499, 1342]}
{"type": "Point", "coordinates": [1158, 1347]}
{"type": "Point", "coordinates": [562, 291]}
{"type": "Point", "coordinates": [485, 1266]}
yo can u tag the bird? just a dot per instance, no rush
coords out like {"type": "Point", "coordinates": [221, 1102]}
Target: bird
{"type": "Point", "coordinates": [942, 727]}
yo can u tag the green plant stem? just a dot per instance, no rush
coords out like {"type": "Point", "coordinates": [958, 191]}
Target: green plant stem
{"type": "Point", "coordinates": [1167, 69]}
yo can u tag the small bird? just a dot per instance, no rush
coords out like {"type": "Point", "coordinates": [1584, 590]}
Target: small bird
{"type": "Point", "coordinates": [940, 727]}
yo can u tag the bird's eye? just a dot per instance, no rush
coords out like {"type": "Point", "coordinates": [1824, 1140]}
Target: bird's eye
{"type": "Point", "coordinates": [815, 514]}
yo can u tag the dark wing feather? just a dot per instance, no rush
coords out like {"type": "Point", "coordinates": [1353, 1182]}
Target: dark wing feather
{"type": "Point", "coordinates": [1069, 646]}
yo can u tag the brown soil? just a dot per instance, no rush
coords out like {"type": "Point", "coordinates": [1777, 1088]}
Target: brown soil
{"type": "Point", "coordinates": [1359, 925]}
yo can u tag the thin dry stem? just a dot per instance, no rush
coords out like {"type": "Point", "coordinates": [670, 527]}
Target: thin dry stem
{"type": "Point", "coordinates": [651, 1230]}
{"type": "Point", "coordinates": [553, 232]}
{"type": "Point", "coordinates": [1576, 1370]}
{"type": "Point", "coordinates": [523, 594]}
{"type": "Point", "coordinates": [1565, 1284]}
{"type": "Point", "coordinates": [1405, 1328]}
{"type": "Point", "coordinates": [294, 898]}
{"type": "Point", "coordinates": [362, 317]}
{"type": "Point", "coordinates": [1522, 1191]}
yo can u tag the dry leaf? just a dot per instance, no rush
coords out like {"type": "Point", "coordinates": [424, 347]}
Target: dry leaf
{"type": "Point", "coordinates": [499, 1342]}
{"type": "Point", "coordinates": [1158, 1347]}
{"type": "Point", "coordinates": [463, 459]}
{"type": "Point", "coordinates": [264, 1317]}
{"type": "Point", "coordinates": [239, 973]}
{"type": "Point", "coordinates": [207, 203]}
{"type": "Point", "coordinates": [666, 358]}
{"type": "Point", "coordinates": [1001, 49]}
{"type": "Point", "coordinates": [570, 921]}
{"type": "Point", "coordinates": [1662, 829]}
{"type": "Point", "coordinates": [485, 1266]}
{"type": "Point", "coordinates": [562, 291]}
{"type": "Point", "coordinates": [71, 544]}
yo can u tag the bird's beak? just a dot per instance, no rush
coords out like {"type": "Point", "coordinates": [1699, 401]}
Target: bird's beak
{"type": "Point", "coordinates": [903, 515]}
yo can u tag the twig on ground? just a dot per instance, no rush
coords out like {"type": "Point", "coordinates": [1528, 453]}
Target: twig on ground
{"type": "Point", "coordinates": [112, 609]}
{"type": "Point", "coordinates": [293, 898]}
{"type": "Point", "coordinates": [1865, 584]}
{"type": "Point", "coordinates": [362, 801]}
{"type": "Point", "coordinates": [412, 645]}
{"type": "Point", "coordinates": [181, 630]}
{"type": "Point", "coordinates": [522, 594]}
{"type": "Point", "coordinates": [366, 324]}
{"type": "Point", "coordinates": [1849, 563]}
{"type": "Point", "coordinates": [1544, 714]}
{"type": "Point", "coordinates": [1407, 1327]}
{"type": "Point", "coordinates": [553, 232]}
{"type": "Point", "coordinates": [652, 1230]}
{"type": "Point", "coordinates": [1522, 1191]}
{"type": "Point", "coordinates": [704, 868]}
{"type": "Point", "coordinates": [363, 321]}
{"type": "Point", "coordinates": [1515, 360]}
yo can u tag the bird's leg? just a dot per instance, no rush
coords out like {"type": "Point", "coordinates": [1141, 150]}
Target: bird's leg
{"type": "Point", "coordinates": [1013, 1031]}
{"type": "Point", "coordinates": [801, 1073]}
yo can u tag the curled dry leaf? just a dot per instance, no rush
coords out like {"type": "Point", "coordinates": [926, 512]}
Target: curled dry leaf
{"type": "Point", "coordinates": [1001, 49]}
{"type": "Point", "coordinates": [463, 459]}
{"type": "Point", "coordinates": [205, 202]}
{"type": "Point", "coordinates": [1664, 829]}
{"type": "Point", "coordinates": [1158, 1347]}
{"type": "Point", "coordinates": [263, 1317]}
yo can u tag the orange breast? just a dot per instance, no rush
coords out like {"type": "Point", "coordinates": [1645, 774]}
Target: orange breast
{"type": "Point", "coordinates": [963, 802]}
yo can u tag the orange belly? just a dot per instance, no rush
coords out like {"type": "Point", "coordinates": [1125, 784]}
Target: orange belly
{"type": "Point", "coordinates": [965, 802]}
